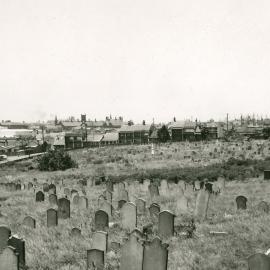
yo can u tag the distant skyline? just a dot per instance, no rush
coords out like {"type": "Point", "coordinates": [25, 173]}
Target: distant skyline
{"type": "Point", "coordinates": [140, 59]}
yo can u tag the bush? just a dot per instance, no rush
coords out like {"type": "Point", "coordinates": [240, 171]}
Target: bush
{"type": "Point", "coordinates": [56, 160]}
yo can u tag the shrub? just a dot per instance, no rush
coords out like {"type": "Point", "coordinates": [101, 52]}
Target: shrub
{"type": "Point", "coordinates": [56, 160]}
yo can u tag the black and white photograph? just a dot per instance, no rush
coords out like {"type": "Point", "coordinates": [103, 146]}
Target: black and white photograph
{"type": "Point", "coordinates": [134, 135]}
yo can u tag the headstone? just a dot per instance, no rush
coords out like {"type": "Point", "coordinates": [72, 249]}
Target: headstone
{"type": "Point", "coordinates": [123, 195]}
{"type": "Point", "coordinates": [100, 241]}
{"type": "Point", "coordinates": [109, 186]}
{"type": "Point", "coordinates": [145, 185]}
{"type": "Point", "coordinates": [9, 259]}
{"type": "Point", "coordinates": [153, 190]}
{"type": "Point", "coordinates": [18, 187]}
{"type": "Point", "coordinates": [52, 218]}
{"type": "Point", "coordinates": [63, 208]}
{"type": "Point", "coordinates": [74, 192]}
{"type": "Point", "coordinates": [131, 255]}
{"type": "Point", "coordinates": [115, 246]}
{"type": "Point", "coordinates": [52, 189]}
{"type": "Point", "coordinates": [107, 207]}
{"type": "Point", "coordinates": [108, 196]}
{"type": "Point", "coordinates": [121, 203]}
{"type": "Point", "coordinates": [267, 175]}
{"type": "Point", "coordinates": [29, 222]}
{"type": "Point", "coordinates": [45, 187]}
{"type": "Point", "coordinates": [76, 199]}
{"type": "Point", "coordinates": [5, 233]}
{"type": "Point", "coordinates": [166, 224]}
{"type": "Point", "coordinates": [141, 205]}
{"type": "Point", "coordinates": [101, 200]}
{"type": "Point", "coordinates": [201, 206]}
{"type": "Point", "coordinates": [129, 216]}
{"type": "Point", "coordinates": [138, 234]}
{"type": "Point", "coordinates": [76, 232]}
{"type": "Point", "coordinates": [155, 255]}
{"type": "Point", "coordinates": [67, 192]}
{"type": "Point", "coordinates": [241, 202]}
{"type": "Point", "coordinates": [30, 186]}
{"type": "Point", "coordinates": [263, 207]}
{"type": "Point", "coordinates": [39, 196]}
{"type": "Point", "coordinates": [95, 259]}
{"type": "Point", "coordinates": [83, 202]}
{"type": "Point", "coordinates": [154, 210]}
{"type": "Point", "coordinates": [182, 184]}
{"type": "Point", "coordinates": [101, 220]}
{"type": "Point", "coordinates": [259, 261]}
{"type": "Point", "coordinates": [19, 245]}
{"type": "Point", "coordinates": [182, 205]}
{"type": "Point", "coordinates": [164, 187]}
{"type": "Point", "coordinates": [53, 199]}
{"type": "Point", "coordinates": [197, 185]}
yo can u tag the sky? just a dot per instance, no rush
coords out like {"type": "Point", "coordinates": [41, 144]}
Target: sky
{"type": "Point", "coordinates": [140, 59]}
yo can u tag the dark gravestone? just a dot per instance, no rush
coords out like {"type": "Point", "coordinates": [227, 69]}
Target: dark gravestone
{"type": "Point", "coordinates": [155, 255]}
{"type": "Point", "coordinates": [63, 208]}
{"type": "Point", "coordinates": [45, 187]}
{"type": "Point", "coordinates": [76, 232]}
{"type": "Point", "coordinates": [201, 206]}
{"type": "Point", "coordinates": [29, 222]}
{"type": "Point", "coordinates": [132, 255]}
{"type": "Point", "coordinates": [101, 220]}
{"type": "Point", "coordinates": [74, 192]}
{"type": "Point", "coordinates": [83, 203]}
{"type": "Point", "coordinates": [263, 207]}
{"type": "Point", "coordinates": [121, 203]}
{"type": "Point", "coordinates": [18, 187]}
{"type": "Point", "coordinates": [95, 259]}
{"type": "Point", "coordinates": [267, 175]}
{"type": "Point", "coordinates": [209, 187]}
{"type": "Point", "coordinates": [5, 233]}
{"type": "Point", "coordinates": [52, 189]}
{"type": "Point", "coordinates": [154, 210]}
{"type": "Point", "coordinates": [259, 261]}
{"type": "Point", "coordinates": [76, 199]}
{"type": "Point", "coordinates": [241, 202]}
{"type": "Point", "coordinates": [19, 245]}
{"type": "Point", "coordinates": [9, 259]}
{"type": "Point", "coordinates": [166, 224]}
{"type": "Point", "coordinates": [53, 199]}
{"type": "Point", "coordinates": [39, 196]}
{"type": "Point", "coordinates": [52, 218]}
{"type": "Point", "coordinates": [115, 246]}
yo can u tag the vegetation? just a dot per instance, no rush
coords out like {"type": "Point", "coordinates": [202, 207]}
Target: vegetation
{"type": "Point", "coordinates": [56, 160]}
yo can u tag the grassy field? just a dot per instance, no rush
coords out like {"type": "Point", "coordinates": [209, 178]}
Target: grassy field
{"type": "Point", "coordinates": [52, 249]}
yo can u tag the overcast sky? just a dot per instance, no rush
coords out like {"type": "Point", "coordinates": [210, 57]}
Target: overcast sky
{"type": "Point", "coordinates": [140, 59]}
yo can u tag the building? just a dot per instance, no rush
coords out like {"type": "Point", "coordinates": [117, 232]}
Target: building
{"type": "Point", "coordinates": [183, 131]}
{"type": "Point", "coordinates": [111, 138]}
{"type": "Point", "coordinates": [135, 134]}
{"type": "Point", "coordinates": [14, 125]}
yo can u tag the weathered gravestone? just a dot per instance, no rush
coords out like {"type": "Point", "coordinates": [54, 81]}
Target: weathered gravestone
{"type": "Point", "coordinates": [141, 205]}
{"type": "Point", "coordinates": [121, 203]}
{"type": "Point", "coordinates": [164, 187]}
{"type": "Point", "coordinates": [263, 207]}
{"type": "Point", "coordinates": [155, 255]}
{"type": "Point", "coordinates": [154, 210]}
{"type": "Point", "coordinates": [45, 187]}
{"type": "Point", "coordinates": [197, 185]}
{"type": "Point", "coordinates": [19, 246]}
{"type": "Point", "coordinates": [74, 192]}
{"type": "Point", "coordinates": [145, 185]}
{"type": "Point", "coordinates": [100, 241]}
{"type": "Point", "coordinates": [83, 202]}
{"type": "Point", "coordinates": [9, 259]}
{"type": "Point", "coordinates": [29, 222]}
{"type": "Point", "coordinates": [30, 186]}
{"type": "Point", "coordinates": [52, 218]}
{"type": "Point", "coordinates": [108, 195]}
{"type": "Point", "coordinates": [129, 216]}
{"type": "Point", "coordinates": [153, 190]}
{"type": "Point", "coordinates": [95, 259]}
{"type": "Point", "coordinates": [166, 224]}
{"type": "Point", "coordinates": [53, 199]}
{"type": "Point", "coordinates": [182, 184]}
{"type": "Point", "coordinates": [266, 175]}
{"type": "Point", "coordinates": [101, 220]}
{"type": "Point", "coordinates": [39, 196]}
{"type": "Point", "coordinates": [5, 233]}
{"type": "Point", "coordinates": [131, 255]}
{"type": "Point", "coordinates": [109, 186]}
{"type": "Point", "coordinates": [138, 234]}
{"type": "Point", "coordinates": [63, 208]}
{"type": "Point", "coordinates": [76, 199]}
{"type": "Point", "coordinates": [259, 261]}
{"type": "Point", "coordinates": [115, 246]}
{"type": "Point", "coordinates": [221, 183]}
{"type": "Point", "coordinates": [76, 232]}
{"type": "Point", "coordinates": [107, 207]}
{"type": "Point", "coordinates": [67, 192]}
{"type": "Point", "coordinates": [123, 195]}
{"type": "Point", "coordinates": [52, 189]}
{"type": "Point", "coordinates": [182, 205]}
{"type": "Point", "coordinates": [201, 206]}
{"type": "Point", "coordinates": [18, 187]}
{"type": "Point", "coordinates": [241, 202]}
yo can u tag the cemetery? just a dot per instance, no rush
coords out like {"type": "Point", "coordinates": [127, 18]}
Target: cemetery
{"type": "Point", "coordinates": [183, 206]}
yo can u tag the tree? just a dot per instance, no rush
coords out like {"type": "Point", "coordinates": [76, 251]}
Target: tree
{"type": "Point", "coordinates": [204, 133]}
{"type": "Point", "coordinates": [163, 134]}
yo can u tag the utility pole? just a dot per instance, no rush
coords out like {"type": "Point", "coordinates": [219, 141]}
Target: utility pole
{"type": "Point", "coordinates": [227, 122]}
